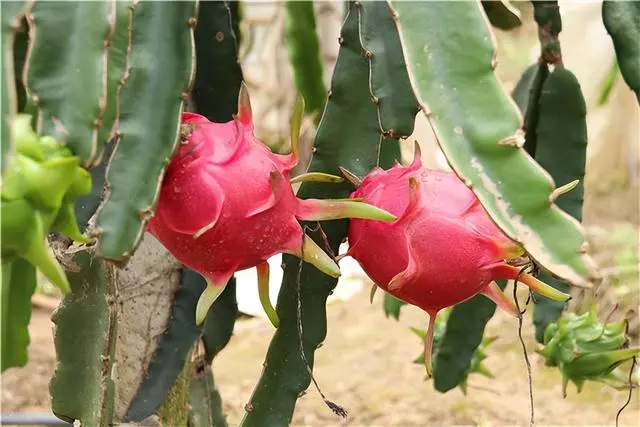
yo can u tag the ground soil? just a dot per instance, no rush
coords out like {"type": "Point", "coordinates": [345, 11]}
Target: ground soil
{"type": "Point", "coordinates": [366, 365]}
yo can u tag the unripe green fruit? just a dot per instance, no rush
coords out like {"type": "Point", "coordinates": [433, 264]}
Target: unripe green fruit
{"type": "Point", "coordinates": [585, 349]}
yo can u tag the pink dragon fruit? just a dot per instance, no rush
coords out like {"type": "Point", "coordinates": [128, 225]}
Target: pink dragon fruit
{"type": "Point", "coordinates": [226, 204]}
{"type": "Point", "coordinates": [442, 250]}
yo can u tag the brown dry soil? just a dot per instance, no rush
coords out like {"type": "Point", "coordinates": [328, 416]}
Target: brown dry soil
{"type": "Point", "coordinates": [365, 365]}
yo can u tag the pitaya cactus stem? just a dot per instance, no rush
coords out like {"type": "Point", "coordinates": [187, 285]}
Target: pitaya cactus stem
{"type": "Point", "coordinates": [351, 177]}
{"type": "Point", "coordinates": [322, 210]}
{"type": "Point", "coordinates": [428, 342]}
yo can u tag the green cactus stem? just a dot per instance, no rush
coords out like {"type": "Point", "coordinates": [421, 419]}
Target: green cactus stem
{"type": "Point", "coordinates": [461, 345]}
{"type": "Point", "coordinates": [160, 39]}
{"type": "Point", "coordinates": [66, 71]}
{"type": "Point", "coordinates": [562, 151]}
{"type": "Point", "coordinates": [304, 54]}
{"type": "Point", "coordinates": [18, 285]}
{"type": "Point", "coordinates": [82, 387]}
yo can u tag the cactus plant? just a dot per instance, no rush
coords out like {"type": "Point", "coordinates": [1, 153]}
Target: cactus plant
{"type": "Point", "coordinates": [622, 21]}
{"type": "Point", "coordinates": [138, 128]}
{"type": "Point", "coordinates": [304, 54]}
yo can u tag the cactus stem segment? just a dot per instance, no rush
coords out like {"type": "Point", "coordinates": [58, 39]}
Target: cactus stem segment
{"type": "Point", "coordinates": [351, 177]}
{"type": "Point", "coordinates": [316, 177]}
{"type": "Point", "coordinates": [562, 190]}
{"type": "Point", "coordinates": [494, 293]}
{"type": "Point", "coordinates": [296, 124]}
{"type": "Point", "coordinates": [315, 256]}
{"type": "Point", "coordinates": [210, 295]}
{"type": "Point", "coordinates": [428, 342]}
{"type": "Point", "coordinates": [263, 292]}
{"type": "Point", "coordinates": [322, 210]}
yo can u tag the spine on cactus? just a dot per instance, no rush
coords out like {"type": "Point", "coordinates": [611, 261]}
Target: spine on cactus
{"type": "Point", "coordinates": [11, 17]}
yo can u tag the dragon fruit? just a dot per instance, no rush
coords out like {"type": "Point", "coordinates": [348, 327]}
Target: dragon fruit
{"type": "Point", "coordinates": [442, 250]}
{"type": "Point", "coordinates": [226, 204]}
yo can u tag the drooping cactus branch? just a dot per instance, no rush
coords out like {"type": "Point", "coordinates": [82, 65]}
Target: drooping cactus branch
{"type": "Point", "coordinates": [65, 37]}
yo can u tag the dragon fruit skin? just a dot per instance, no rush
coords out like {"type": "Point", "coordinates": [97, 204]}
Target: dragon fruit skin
{"type": "Point", "coordinates": [226, 204]}
{"type": "Point", "coordinates": [442, 250]}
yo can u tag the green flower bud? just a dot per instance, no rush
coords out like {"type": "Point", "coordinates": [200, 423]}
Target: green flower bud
{"type": "Point", "coordinates": [585, 349]}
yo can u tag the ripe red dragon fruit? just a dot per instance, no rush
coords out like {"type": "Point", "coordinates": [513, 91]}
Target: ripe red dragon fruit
{"type": "Point", "coordinates": [226, 204]}
{"type": "Point", "coordinates": [442, 250]}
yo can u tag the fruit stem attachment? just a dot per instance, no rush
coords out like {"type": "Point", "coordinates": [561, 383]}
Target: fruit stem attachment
{"type": "Point", "coordinates": [428, 342]}
{"type": "Point", "coordinates": [296, 124]}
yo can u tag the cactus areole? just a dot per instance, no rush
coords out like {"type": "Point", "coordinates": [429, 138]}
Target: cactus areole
{"type": "Point", "coordinates": [226, 204]}
{"type": "Point", "coordinates": [442, 250]}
